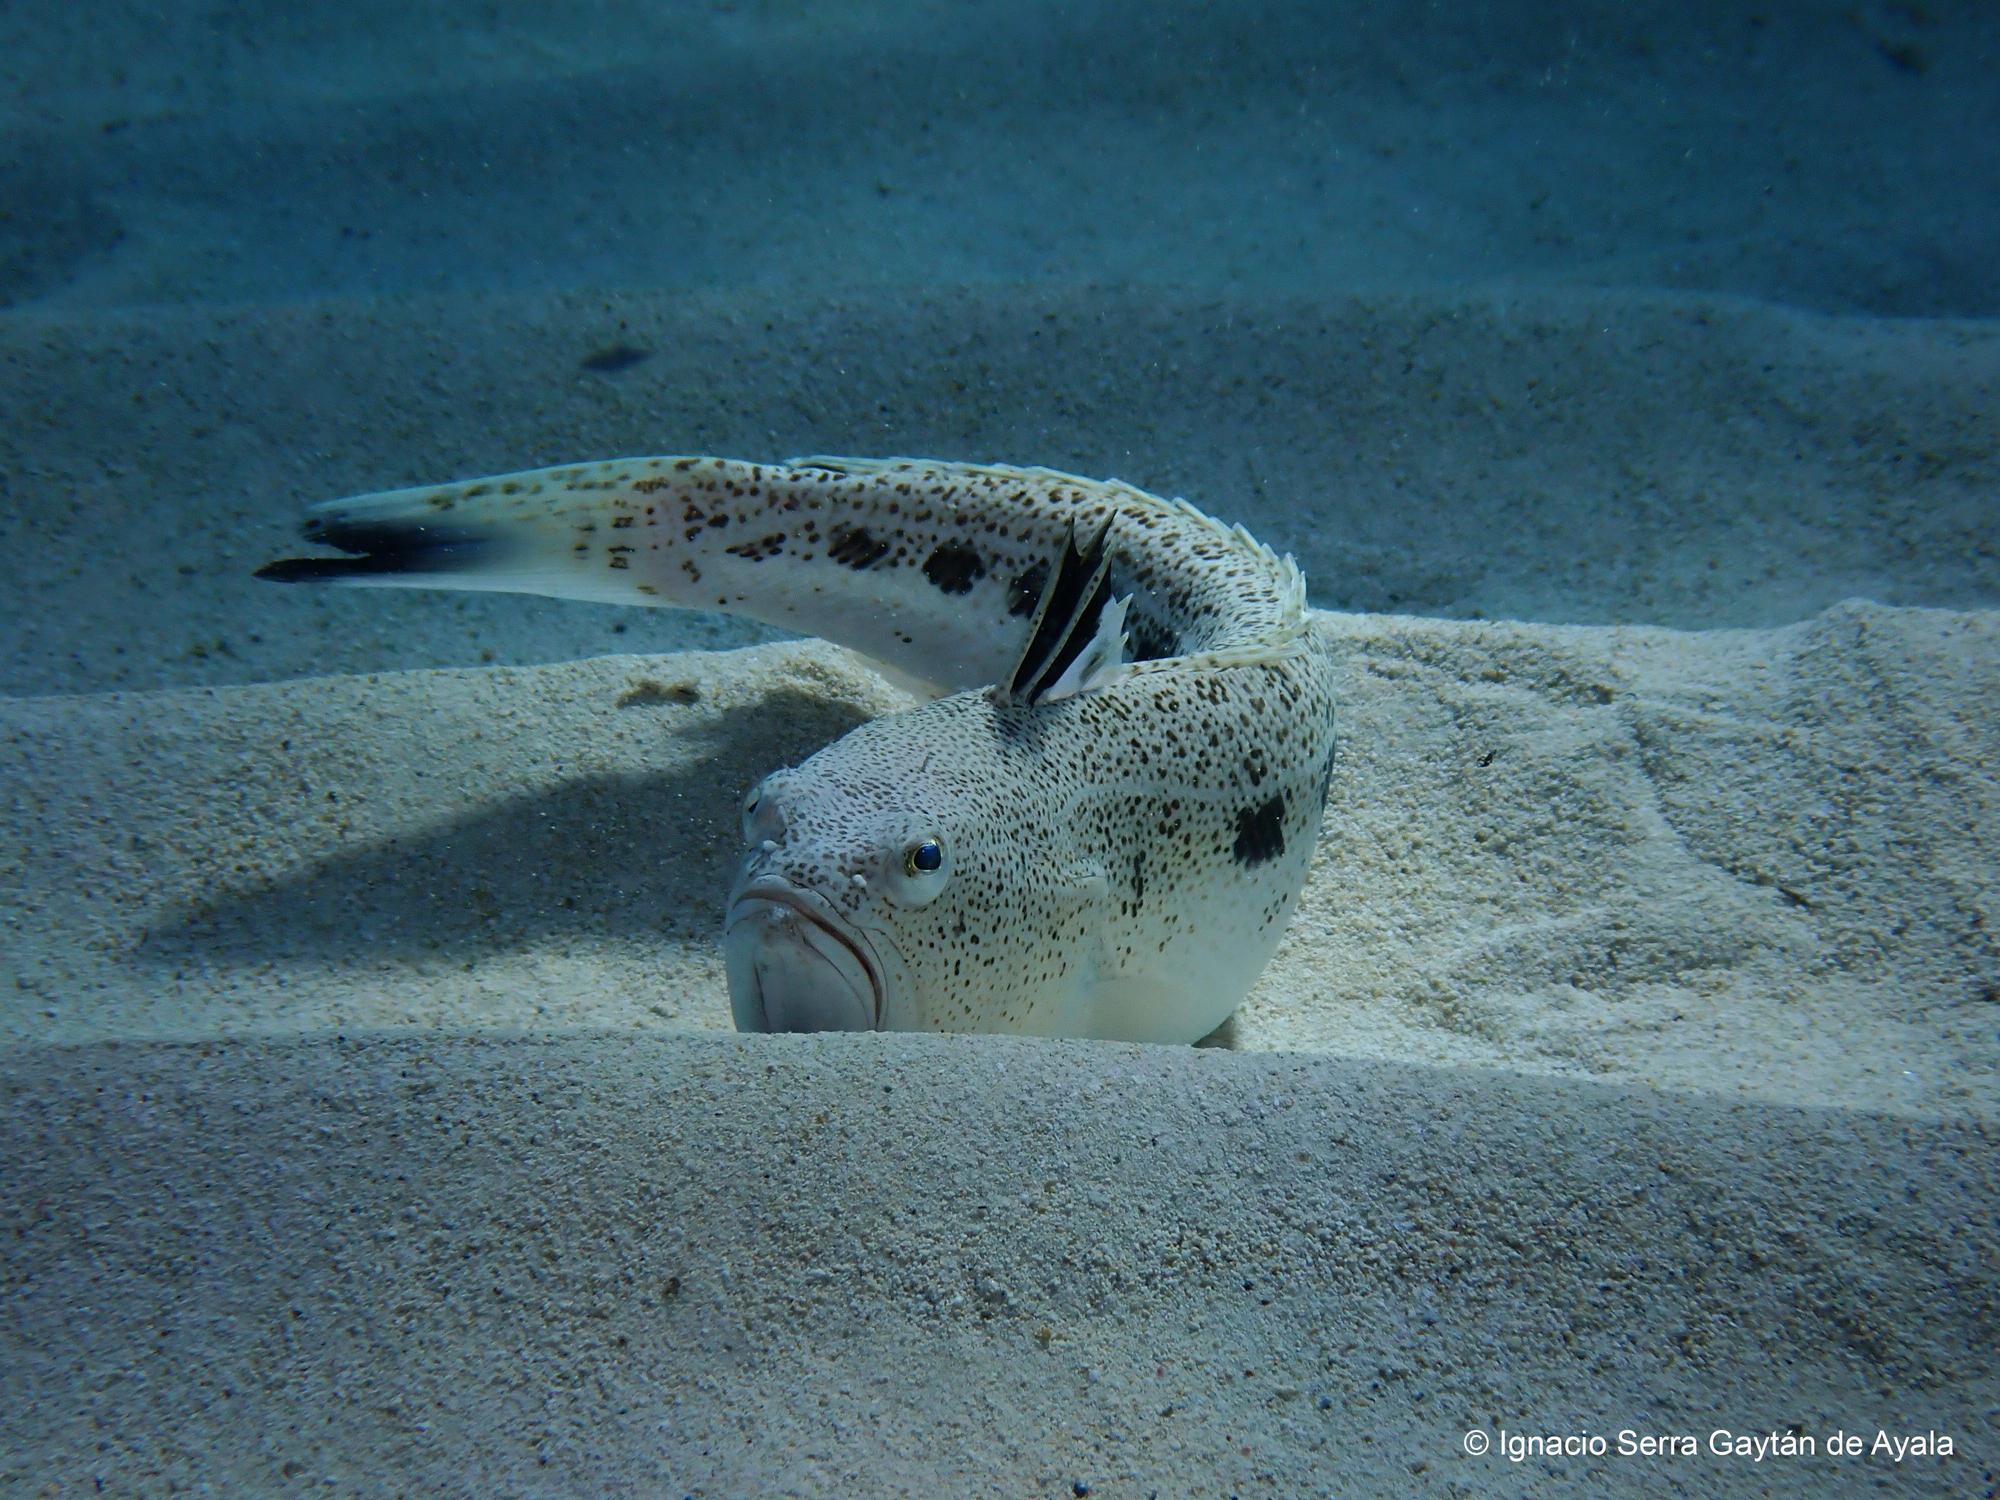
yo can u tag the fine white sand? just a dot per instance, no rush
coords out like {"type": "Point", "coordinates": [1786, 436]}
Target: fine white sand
{"type": "Point", "coordinates": [1748, 863]}
{"type": "Point", "coordinates": [1626, 381]}
{"type": "Point", "coordinates": [1639, 1045]}
{"type": "Point", "coordinates": [882, 1265]}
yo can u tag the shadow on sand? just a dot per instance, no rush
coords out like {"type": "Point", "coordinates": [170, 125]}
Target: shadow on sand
{"type": "Point", "coordinates": [603, 856]}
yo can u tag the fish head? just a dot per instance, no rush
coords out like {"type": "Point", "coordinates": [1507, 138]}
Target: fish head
{"type": "Point", "coordinates": [886, 882]}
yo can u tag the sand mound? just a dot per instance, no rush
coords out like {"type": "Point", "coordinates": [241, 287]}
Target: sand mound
{"type": "Point", "coordinates": [1751, 862]}
{"type": "Point", "coordinates": [782, 1265]}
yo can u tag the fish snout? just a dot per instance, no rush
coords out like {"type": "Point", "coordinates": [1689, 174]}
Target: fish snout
{"type": "Point", "coordinates": [795, 965]}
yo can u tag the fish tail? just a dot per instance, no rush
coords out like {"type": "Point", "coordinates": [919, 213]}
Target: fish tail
{"type": "Point", "coordinates": [544, 531]}
{"type": "Point", "coordinates": [946, 573]}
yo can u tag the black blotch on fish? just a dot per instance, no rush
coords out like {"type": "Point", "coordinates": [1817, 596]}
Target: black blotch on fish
{"type": "Point", "coordinates": [1028, 591]}
{"type": "Point", "coordinates": [1260, 832]}
{"type": "Point", "coordinates": [954, 569]}
{"type": "Point", "coordinates": [753, 551]}
{"type": "Point", "coordinates": [853, 547]}
{"type": "Point", "coordinates": [615, 359]}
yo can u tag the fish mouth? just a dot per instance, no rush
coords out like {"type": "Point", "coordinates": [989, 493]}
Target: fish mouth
{"type": "Point", "coordinates": [794, 965]}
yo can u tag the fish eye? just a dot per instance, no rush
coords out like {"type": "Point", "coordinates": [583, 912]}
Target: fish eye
{"type": "Point", "coordinates": [763, 818]}
{"type": "Point", "coordinates": [919, 872]}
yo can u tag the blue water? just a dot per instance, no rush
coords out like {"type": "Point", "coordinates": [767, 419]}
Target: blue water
{"type": "Point", "coordinates": [1627, 313]}
{"type": "Point", "coordinates": [1841, 158]}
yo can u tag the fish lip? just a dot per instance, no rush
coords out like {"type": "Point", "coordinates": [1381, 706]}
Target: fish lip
{"type": "Point", "coordinates": [767, 891]}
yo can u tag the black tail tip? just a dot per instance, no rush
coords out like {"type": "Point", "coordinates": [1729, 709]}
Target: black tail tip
{"type": "Point", "coordinates": [386, 548]}
{"type": "Point", "coordinates": [312, 569]}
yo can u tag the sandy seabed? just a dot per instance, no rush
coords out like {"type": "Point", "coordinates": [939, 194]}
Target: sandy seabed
{"type": "Point", "coordinates": [369, 1118]}
{"type": "Point", "coordinates": [1628, 1067]}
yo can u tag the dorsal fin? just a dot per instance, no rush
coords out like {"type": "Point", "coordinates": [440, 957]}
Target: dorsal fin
{"type": "Point", "coordinates": [1101, 656]}
{"type": "Point", "coordinates": [1069, 620]}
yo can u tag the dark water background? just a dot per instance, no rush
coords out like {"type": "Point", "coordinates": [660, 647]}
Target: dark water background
{"type": "Point", "coordinates": [1844, 158]}
{"type": "Point", "coordinates": [1612, 312]}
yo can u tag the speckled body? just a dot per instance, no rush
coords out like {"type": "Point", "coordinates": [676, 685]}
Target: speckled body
{"type": "Point", "coordinates": [1128, 858]}
{"type": "Point", "coordinates": [1117, 863]}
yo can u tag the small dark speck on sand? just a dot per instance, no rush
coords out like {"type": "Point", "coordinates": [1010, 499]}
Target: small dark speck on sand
{"type": "Point", "coordinates": [1906, 56]}
{"type": "Point", "coordinates": [646, 693]}
{"type": "Point", "coordinates": [615, 359]}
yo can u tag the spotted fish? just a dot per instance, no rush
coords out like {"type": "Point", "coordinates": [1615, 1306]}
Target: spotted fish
{"type": "Point", "coordinates": [1101, 825]}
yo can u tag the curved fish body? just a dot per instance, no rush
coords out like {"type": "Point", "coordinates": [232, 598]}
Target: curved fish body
{"type": "Point", "coordinates": [1101, 826]}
